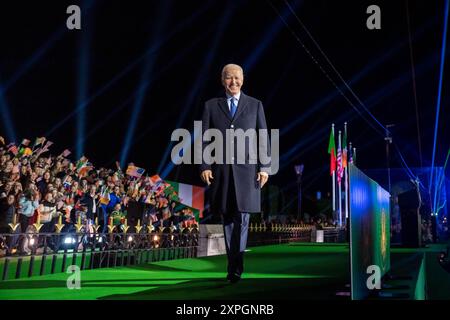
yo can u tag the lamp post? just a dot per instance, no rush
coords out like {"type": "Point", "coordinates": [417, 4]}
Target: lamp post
{"type": "Point", "coordinates": [299, 172]}
{"type": "Point", "coordinates": [388, 140]}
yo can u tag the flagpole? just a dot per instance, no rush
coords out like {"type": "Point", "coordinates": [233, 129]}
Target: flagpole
{"type": "Point", "coordinates": [340, 205]}
{"type": "Point", "coordinates": [339, 185]}
{"type": "Point", "coordinates": [346, 193]}
{"type": "Point", "coordinates": [334, 191]}
{"type": "Point", "coordinates": [346, 175]}
{"type": "Point", "coordinates": [350, 161]}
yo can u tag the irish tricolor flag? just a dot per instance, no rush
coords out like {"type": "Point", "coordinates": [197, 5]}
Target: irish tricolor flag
{"type": "Point", "coordinates": [190, 195]}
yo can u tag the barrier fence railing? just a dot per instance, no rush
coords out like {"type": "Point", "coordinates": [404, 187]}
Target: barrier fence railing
{"type": "Point", "coordinates": [263, 234]}
{"type": "Point", "coordinates": [38, 253]}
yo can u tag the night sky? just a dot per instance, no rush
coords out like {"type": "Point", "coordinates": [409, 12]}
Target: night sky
{"type": "Point", "coordinates": [166, 57]}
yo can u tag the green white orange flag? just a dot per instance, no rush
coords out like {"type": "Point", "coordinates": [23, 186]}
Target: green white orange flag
{"type": "Point", "coordinates": [332, 151]}
{"type": "Point", "coordinates": [192, 196]}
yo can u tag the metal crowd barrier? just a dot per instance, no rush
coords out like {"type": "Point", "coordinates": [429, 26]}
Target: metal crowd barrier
{"type": "Point", "coordinates": [38, 253]}
{"type": "Point", "coordinates": [334, 235]}
{"type": "Point", "coordinates": [262, 234]}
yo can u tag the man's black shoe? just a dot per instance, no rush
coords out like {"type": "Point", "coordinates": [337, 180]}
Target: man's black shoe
{"type": "Point", "coordinates": [233, 278]}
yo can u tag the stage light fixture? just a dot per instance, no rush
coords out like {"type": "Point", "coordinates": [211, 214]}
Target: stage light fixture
{"type": "Point", "coordinates": [69, 240]}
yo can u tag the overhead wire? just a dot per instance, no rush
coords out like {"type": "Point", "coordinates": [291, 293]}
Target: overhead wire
{"type": "Point", "coordinates": [404, 164]}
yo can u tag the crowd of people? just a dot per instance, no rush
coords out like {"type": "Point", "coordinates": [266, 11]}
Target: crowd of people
{"type": "Point", "coordinates": [36, 187]}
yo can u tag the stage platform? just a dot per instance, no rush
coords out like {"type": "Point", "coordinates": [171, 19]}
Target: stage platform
{"type": "Point", "coordinates": [288, 271]}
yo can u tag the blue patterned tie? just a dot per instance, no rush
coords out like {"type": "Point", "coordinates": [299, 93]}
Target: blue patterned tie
{"type": "Point", "coordinates": [233, 107]}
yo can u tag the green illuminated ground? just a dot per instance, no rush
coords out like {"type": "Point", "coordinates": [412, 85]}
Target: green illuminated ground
{"type": "Point", "coordinates": [290, 271]}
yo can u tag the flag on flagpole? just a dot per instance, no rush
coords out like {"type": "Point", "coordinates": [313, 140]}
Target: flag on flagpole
{"type": "Point", "coordinates": [83, 166]}
{"type": "Point", "coordinates": [344, 147]}
{"type": "Point", "coordinates": [39, 141]}
{"type": "Point", "coordinates": [81, 162]}
{"type": "Point", "coordinates": [104, 196]}
{"type": "Point", "coordinates": [134, 171]}
{"type": "Point", "coordinates": [84, 170]}
{"type": "Point", "coordinates": [46, 146]}
{"type": "Point", "coordinates": [155, 179]}
{"type": "Point", "coordinates": [340, 169]}
{"type": "Point", "coordinates": [13, 149]}
{"type": "Point", "coordinates": [21, 151]}
{"type": "Point", "coordinates": [332, 151]}
{"type": "Point", "coordinates": [27, 152]}
{"type": "Point", "coordinates": [66, 153]}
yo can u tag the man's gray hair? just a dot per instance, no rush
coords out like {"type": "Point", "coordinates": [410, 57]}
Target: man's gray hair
{"type": "Point", "coordinates": [231, 65]}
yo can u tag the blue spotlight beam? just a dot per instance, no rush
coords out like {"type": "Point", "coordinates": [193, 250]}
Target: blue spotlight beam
{"type": "Point", "coordinates": [83, 70]}
{"type": "Point", "coordinates": [179, 27]}
{"type": "Point", "coordinates": [355, 79]}
{"type": "Point", "coordinates": [373, 100]}
{"type": "Point", "coordinates": [108, 118]}
{"type": "Point", "coordinates": [39, 53]}
{"type": "Point", "coordinates": [141, 92]}
{"type": "Point", "coordinates": [174, 61]}
{"type": "Point", "coordinates": [6, 119]}
{"type": "Point", "coordinates": [198, 86]}
{"type": "Point", "coordinates": [170, 165]}
{"type": "Point", "coordinates": [367, 111]}
{"type": "Point", "coordinates": [149, 128]}
{"type": "Point", "coordinates": [438, 103]}
{"type": "Point", "coordinates": [132, 97]}
{"type": "Point", "coordinates": [268, 36]}
{"type": "Point", "coordinates": [267, 39]}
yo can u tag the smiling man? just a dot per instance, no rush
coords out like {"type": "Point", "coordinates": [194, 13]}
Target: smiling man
{"type": "Point", "coordinates": [235, 187]}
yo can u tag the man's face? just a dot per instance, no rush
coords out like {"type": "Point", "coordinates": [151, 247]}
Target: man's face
{"type": "Point", "coordinates": [11, 199]}
{"type": "Point", "coordinates": [9, 166]}
{"type": "Point", "coordinates": [49, 197]}
{"type": "Point", "coordinates": [232, 80]}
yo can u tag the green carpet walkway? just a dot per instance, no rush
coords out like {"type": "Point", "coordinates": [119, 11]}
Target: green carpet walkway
{"type": "Point", "coordinates": [288, 271]}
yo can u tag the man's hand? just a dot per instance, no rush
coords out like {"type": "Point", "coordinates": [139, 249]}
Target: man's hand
{"type": "Point", "coordinates": [206, 176]}
{"type": "Point", "coordinates": [262, 178]}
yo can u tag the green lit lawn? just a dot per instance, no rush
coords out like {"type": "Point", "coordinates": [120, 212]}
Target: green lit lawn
{"type": "Point", "coordinates": [291, 271]}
